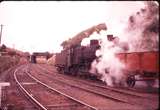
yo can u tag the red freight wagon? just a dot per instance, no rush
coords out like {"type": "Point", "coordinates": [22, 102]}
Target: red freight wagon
{"type": "Point", "coordinates": [140, 66]}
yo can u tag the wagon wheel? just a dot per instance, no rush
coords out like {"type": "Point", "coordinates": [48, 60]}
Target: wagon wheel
{"type": "Point", "coordinates": [58, 69]}
{"type": "Point", "coordinates": [131, 81]}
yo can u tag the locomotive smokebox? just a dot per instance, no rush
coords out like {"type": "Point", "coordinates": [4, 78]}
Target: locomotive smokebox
{"type": "Point", "coordinates": [93, 42]}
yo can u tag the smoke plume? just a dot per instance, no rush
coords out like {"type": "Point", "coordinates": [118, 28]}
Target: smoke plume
{"type": "Point", "coordinates": [142, 30]}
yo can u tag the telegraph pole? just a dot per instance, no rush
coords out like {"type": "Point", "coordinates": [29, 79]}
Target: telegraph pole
{"type": "Point", "coordinates": [1, 33]}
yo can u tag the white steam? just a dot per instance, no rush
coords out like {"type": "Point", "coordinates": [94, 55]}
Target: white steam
{"type": "Point", "coordinates": [109, 68]}
{"type": "Point", "coordinates": [86, 41]}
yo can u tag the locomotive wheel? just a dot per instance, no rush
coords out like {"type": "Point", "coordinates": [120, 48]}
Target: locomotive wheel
{"type": "Point", "coordinates": [73, 70]}
{"type": "Point", "coordinates": [131, 81]}
{"type": "Point", "coordinates": [150, 83]}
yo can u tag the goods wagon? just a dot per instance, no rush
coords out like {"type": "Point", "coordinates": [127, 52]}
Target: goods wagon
{"type": "Point", "coordinates": [140, 66]}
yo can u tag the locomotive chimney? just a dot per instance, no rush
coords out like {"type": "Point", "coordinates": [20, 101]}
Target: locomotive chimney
{"type": "Point", "coordinates": [93, 42]}
{"type": "Point", "coordinates": [110, 37]}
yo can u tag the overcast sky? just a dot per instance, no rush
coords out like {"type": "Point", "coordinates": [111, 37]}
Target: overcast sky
{"type": "Point", "coordinates": [42, 25]}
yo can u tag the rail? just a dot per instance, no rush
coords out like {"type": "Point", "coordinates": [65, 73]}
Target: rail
{"type": "Point", "coordinates": [29, 95]}
{"type": "Point", "coordinates": [83, 103]}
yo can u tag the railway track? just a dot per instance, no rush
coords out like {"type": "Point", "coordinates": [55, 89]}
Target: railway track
{"type": "Point", "coordinates": [108, 100]}
{"type": "Point", "coordinates": [129, 91]}
{"type": "Point", "coordinates": [57, 100]}
{"type": "Point", "coordinates": [33, 100]}
{"type": "Point", "coordinates": [14, 99]}
{"type": "Point", "coordinates": [123, 96]}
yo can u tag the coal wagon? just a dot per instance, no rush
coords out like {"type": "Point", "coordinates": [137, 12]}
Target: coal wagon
{"type": "Point", "coordinates": [140, 66]}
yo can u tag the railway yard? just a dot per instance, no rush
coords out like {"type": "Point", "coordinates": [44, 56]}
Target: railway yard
{"type": "Point", "coordinates": [40, 87]}
{"type": "Point", "coordinates": [111, 65]}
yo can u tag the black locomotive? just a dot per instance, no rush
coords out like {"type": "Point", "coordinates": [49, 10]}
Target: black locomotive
{"type": "Point", "coordinates": [76, 59]}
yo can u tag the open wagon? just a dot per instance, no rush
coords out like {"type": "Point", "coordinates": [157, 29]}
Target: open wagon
{"type": "Point", "coordinates": [140, 66]}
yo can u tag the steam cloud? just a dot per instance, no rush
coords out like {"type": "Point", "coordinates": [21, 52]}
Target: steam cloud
{"type": "Point", "coordinates": [141, 34]}
{"type": "Point", "coordinates": [107, 66]}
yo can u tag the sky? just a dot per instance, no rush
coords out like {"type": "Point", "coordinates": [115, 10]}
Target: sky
{"type": "Point", "coordinates": [40, 26]}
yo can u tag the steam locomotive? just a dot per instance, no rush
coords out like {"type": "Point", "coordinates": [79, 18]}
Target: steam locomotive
{"type": "Point", "coordinates": [77, 60]}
